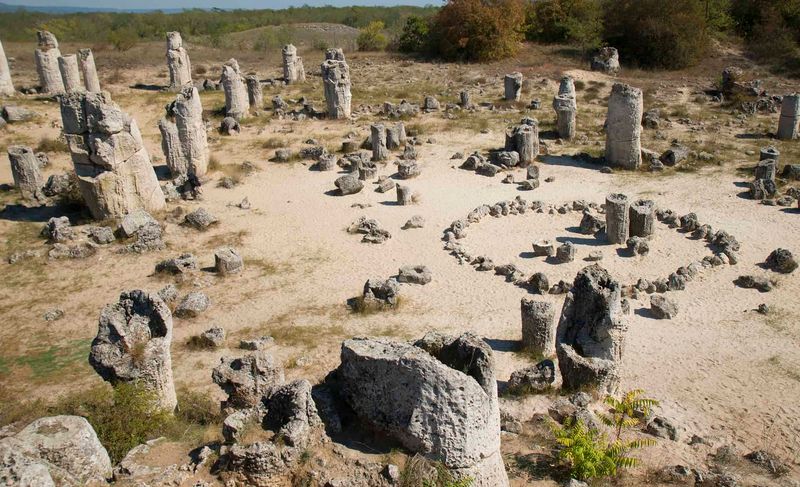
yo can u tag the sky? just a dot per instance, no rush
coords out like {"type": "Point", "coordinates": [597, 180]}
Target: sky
{"type": "Point", "coordinates": [227, 4]}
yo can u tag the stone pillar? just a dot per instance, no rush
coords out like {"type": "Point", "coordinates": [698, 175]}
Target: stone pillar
{"type": "Point", "coordinates": [396, 136]}
{"type": "Point", "coordinates": [115, 175]}
{"type": "Point", "coordinates": [132, 345]}
{"type": "Point", "coordinates": [6, 86]}
{"type": "Point", "coordinates": [766, 169]}
{"type": "Point", "coordinates": [70, 73]}
{"type": "Point", "coordinates": [336, 81]}
{"type": "Point", "coordinates": [236, 100]}
{"type": "Point", "coordinates": [46, 57]}
{"type": "Point", "coordinates": [90, 80]}
{"type": "Point", "coordinates": [180, 68]}
{"type": "Point", "coordinates": [404, 195]}
{"type": "Point", "coordinates": [466, 103]}
{"type": "Point", "coordinates": [565, 116]}
{"type": "Point", "coordinates": [25, 171]}
{"type": "Point", "coordinates": [617, 218]}
{"type": "Point", "coordinates": [790, 118]}
{"type": "Point", "coordinates": [567, 87]}
{"type": "Point", "coordinates": [642, 218]}
{"type": "Point", "coordinates": [171, 146]}
{"type": "Point", "coordinates": [513, 86]}
{"type": "Point", "coordinates": [255, 93]}
{"type": "Point", "coordinates": [590, 339]}
{"type": "Point", "coordinates": [769, 153]}
{"type": "Point", "coordinates": [293, 70]}
{"type": "Point", "coordinates": [379, 151]}
{"type": "Point", "coordinates": [188, 111]}
{"type": "Point", "coordinates": [524, 139]}
{"type": "Point", "coordinates": [538, 327]}
{"type": "Point", "coordinates": [624, 127]}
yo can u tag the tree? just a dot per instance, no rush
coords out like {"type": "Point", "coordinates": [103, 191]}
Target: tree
{"type": "Point", "coordinates": [478, 30]}
{"type": "Point", "coordinates": [572, 21]}
{"type": "Point", "coordinates": [415, 35]}
{"type": "Point", "coordinates": [371, 37]}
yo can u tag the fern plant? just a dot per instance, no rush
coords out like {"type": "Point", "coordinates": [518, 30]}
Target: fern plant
{"type": "Point", "coordinates": [626, 412]}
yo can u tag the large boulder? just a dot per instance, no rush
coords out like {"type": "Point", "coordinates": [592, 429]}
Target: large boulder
{"type": "Point", "coordinates": [247, 379]}
{"type": "Point", "coordinates": [591, 332]}
{"type": "Point", "coordinates": [132, 345]}
{"type": "Point", "coordinates": [430, 406]}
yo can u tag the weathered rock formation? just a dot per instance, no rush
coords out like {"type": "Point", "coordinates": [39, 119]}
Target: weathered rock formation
{"type": "Point", "coordinates": [247, 379]}
{"type": "Point", "coordinates": [293, 71]}
{"type": "Point", "coordinates": [90, 80]}
{"type": "Point", "coordinates": [183, 135]}
{"type": "Point", "coordinates": [25, 171]}
{"type": "Point", "coordinates": [441, 403]}
{"type": "Point", "coordinates": [237, 102]}
{"type": "Point", "coordinates": [788, 126]}
{"type": "Point", "coordinates": [617, 218]}
{"type": "Point", "coordinates": [524, 140]}
{"type": "Point", "coordinates": [336, 81]}
{"type": "Point", "coordinates": [46, 56]}
{"type": "Point", "coordinates": [255, 94]}
{"type": "Point", "coordinates": [180, 69]}
{"type": "Point", "coordinates": [624, 127]}
{"type": "Point", "coordinates": [378, 138]}
{"type": "Point", "coordinates": [606, 60]}
{"type": "Point", "coordinates": [114, 172]}
{"type": "Point", "coordinates": [132, 345]}
{"type": "Point", "coordinates": [70, 73]}
{"type": "Point", "coordinates": [6, 85]}
{"type": "Point", "coordinates": [538, 327]}
{"type": "Point", "coordinates": [642, 218]}
{"type": "Point", "coordinates": [513, 86]}
{"type": "Point", "coordinates": [591, 332]}
{"type": "Point", "coordinates": [565, 116]}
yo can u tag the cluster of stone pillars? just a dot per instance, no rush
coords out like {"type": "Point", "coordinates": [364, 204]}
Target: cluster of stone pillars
{"type": "Point", "coordinates": [625, 219]}
{"type": "Point", "coordinates": [60, 74]}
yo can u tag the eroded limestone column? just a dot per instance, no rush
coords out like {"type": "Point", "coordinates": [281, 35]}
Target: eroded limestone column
{"type": "Point", "coordinates": [46, 56]}
{"type": "Point", "coordinates": [336, 81]}
{"type": "Point", "coordinates": [396, 136]}
{"type": "Point", "coordinates": [617, 218]}
{"type": "Point", "coordinates": [171, 147]}
{"type": "Point", "coordinates": [538, 327]}
{"type": "Point", "coordinates": [566, 87]}
{"type": "Point", "coordinates": [115, 175]}
{"type": "Point", "coordinates": [379, 151]}
{"type": "Point", "coordinates": [6, 86]}
{"type": "Point", "coordinates": [180, 68]}
{"type": "Point", "coordinates": [188, 111]}
{"type": "Point", "coordinates": [642, 218]}
{"type": "Point", "coordinates": [565, 116]}
{"type": "Point", "coordinates": [790, 118]}
{"type": "Point", "coordinates": [624, 127]}
{"type": "Point", "coordinates": [293, 70]}
{"type": "Point", "coordinates": [513, 86]}
{"type": "Point", "coordinates": [255, 93]}
{"type": "Point", "coordinates": [70, 73]}
{"type": "Point", "coordinates": [237, 102]}
{"type": "Point", "coordinates": [466, 103]}
{"type": "Point", "coordinates": [524, 139]}
{"type": "Point", "coordinates": [25, 171]}
{"type": "Point", "coordinates": [90, 80]}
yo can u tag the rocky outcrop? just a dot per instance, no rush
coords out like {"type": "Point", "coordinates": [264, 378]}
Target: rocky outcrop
{"type": "Point", "coordinates": [624, 127]}
{"type": "Point", "coordinates": [293, 71]}
{"type": "Point", "coordinates": [591, 332]}
{"type": "Point", "coordinates": [115, 175]}
{"type": "Point", "coordinates": [86, 61]}
{"type": "Point", "coordinates": [424, 400]}
{"type": "Point", "coordinates": [6, 85]}
{"type": "Point", "coordinates": [237, 102]}
{"type": "Point", "coordinates": [55, 450]}
{"type": "Point", "coordinates": [336, 81]}
{"type": "Point", "coordinates": [180, 69]}
{"type": "Point", "coordinates": [133, 345]}
{"type": "Point", "coordinates": [46, 56]}
{"type": "Point", "coordinates": [247, 379]}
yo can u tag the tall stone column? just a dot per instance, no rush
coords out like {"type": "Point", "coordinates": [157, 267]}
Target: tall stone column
{"type": "Point", "coordinates": [565, 116]}
{"type": "Point", "coordinates": [293, 70]}
{"type": "Point", "coordinates": [524, 139]}
{"type": "Point", "coordinates": [336, 81]}
{"type": "Point", "coordinates": [46, 57]}
{"type": "Point", "coordinates": [90, 80]}
{"type": "Point", "coordinates": [379, 151]}
{"type": "Point", "coordinates": [465, 101]}
{"type": "Point", "coordinates": [171, 147]}
{"type": "Point", "coordinates": [180, 68]}
{"type": "Point", "coordinates": [188, 112]}
{"type": "Point", "coordinates": [513, 86]}
{"type": "Point", "coordinates": [624, 127]}
{"type": "Point", "coordinates": [115, 175]}
{"type": "Point", "coordinates": [617, 218]}
{"type": "Point", "coordinates": [538, 327]}
{"type": "Point", "coordinates": [642, 218]}
{"type": "Point", "coordinates": [70, 73]}
{"type": "Point", "coordinates": [237, 103]}
{"type": "Point", "coordinates": [566, 87]}
{"type": "Point", "coordinates": [255, 93]}
{"type": "Point", "coordinates": [790, 118]}
{"type": "Point", "coordinates": [25, 171]}
{"type": "Point", "coordinates": [6, 86]}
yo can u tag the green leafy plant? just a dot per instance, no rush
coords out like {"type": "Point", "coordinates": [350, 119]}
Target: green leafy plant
{"type": "Point", "coordinates": [371, 37]}
{"type": "Point", "coordinates": [415, 35]}
{"type": "Point", "coordinates": [628, 411]}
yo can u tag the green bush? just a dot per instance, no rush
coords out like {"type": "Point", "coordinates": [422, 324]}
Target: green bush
{"type": "Point", "coordinates": [371, 37]}
{"type": "Point", "coordinates": [415, 35]}
{"type": "Point", "coordinates": [578, 22]}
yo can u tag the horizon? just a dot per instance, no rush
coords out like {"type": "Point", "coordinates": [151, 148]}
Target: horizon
{"type": "Point", "coordinates": [208, 4]}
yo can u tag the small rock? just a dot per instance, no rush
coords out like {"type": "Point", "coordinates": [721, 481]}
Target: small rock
{"type": "Point", "coordinates": [662, 307]}
{"type": "Point", "coordinates": [192, 305]}
{"type": "Point", "coordinates": [200, 219]}
{"type": "Point", "coordinates": [228, 261]}
{"type": "Point", "coordinates": [259, 343]}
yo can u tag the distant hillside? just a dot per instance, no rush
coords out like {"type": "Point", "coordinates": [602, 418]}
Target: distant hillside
{"type": "Point", "coordinates": [4, 7]}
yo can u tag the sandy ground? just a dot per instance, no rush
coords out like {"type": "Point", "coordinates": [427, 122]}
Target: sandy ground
{"type": "Point", "coordinates": [719, 368]}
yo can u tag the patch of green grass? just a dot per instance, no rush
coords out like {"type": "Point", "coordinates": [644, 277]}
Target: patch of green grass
{"type": "Point", "coordinates": [46, 362]}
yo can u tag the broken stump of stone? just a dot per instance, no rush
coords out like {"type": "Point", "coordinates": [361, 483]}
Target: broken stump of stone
{"type": "Point", "coordinates": [512, 84]}
{"type": "Point", "coordinates": [228, 261]}
{"type": "Point", "coordinates": [617, 218]}
{"type": "Point", "coordinates": [255, 93]}
{"type": "Point", "coordinates": [642, 216]}
{"type": "Point", "coordinates": [180, 68]}
{"type": "Point", "coordinates": [789, 123]}
{"type": "Point", "coordinates": [25, 172]}
{"type": "Point", "coordinates": [133, 345]}
{"type": "Point", "coordinates": [590, 338]}
{"type": "Point", "coordinates": [293, 70]}
{"type": "Point", "coordinates": [405, 196]}
{"type": "Point", "coordinates": [378, 138]}
{"type": "Point", "coordinates": [89, 71]}
{"type": "Point", "coordinates": [624, 127]}
{"type": "Point", "coordinates": [70, 73]}
{"type": "Point", "coordinates": [524, 139]}
{"type": "Point", "coordinates": [538, 327]}
{"type": "Point", "coordinates": [565, 116]}
{"type": "Point", "coordinates": [237, 102]}
{"type": "Point", "coordinates": [46, 57]}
